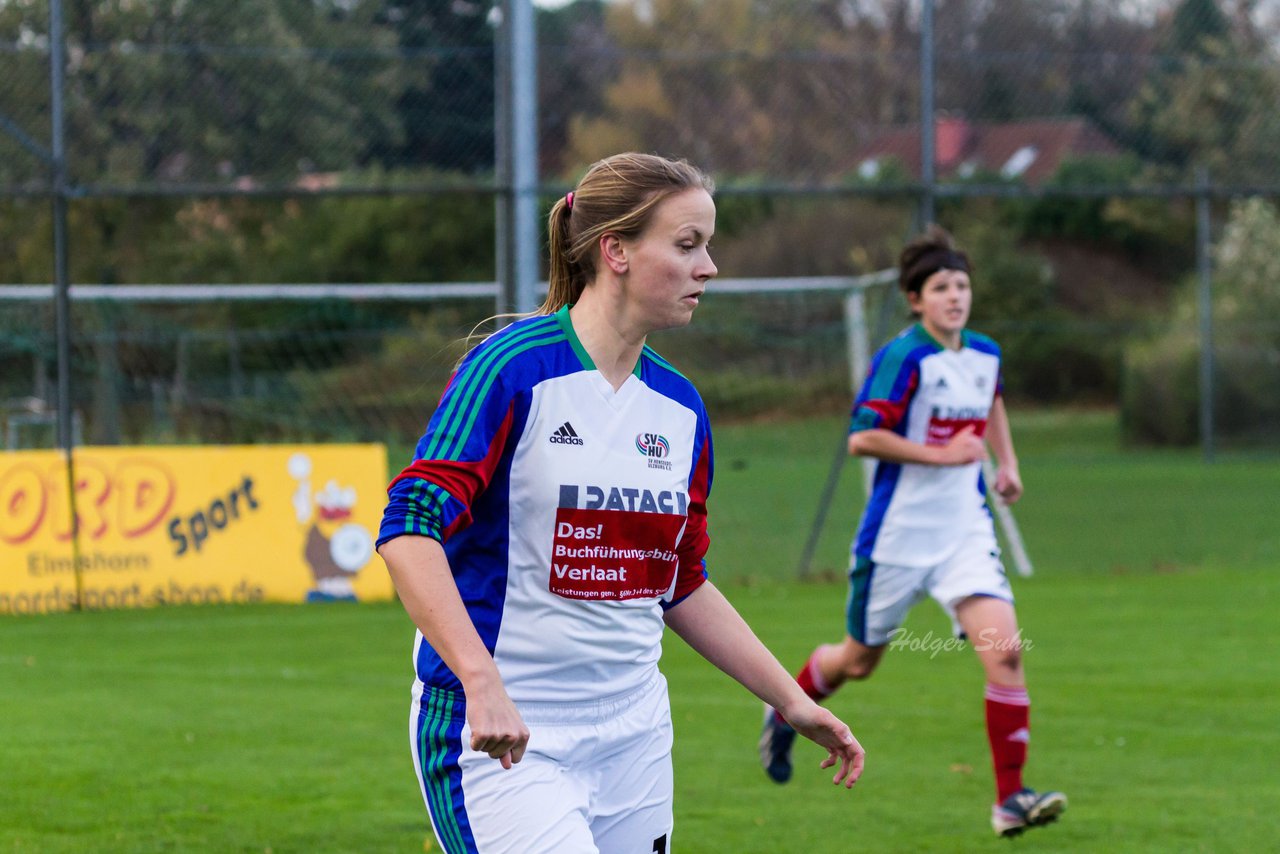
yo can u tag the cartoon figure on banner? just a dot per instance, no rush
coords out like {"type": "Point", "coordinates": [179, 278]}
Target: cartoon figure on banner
{"type": "Point", "coordinates": [336, 548]}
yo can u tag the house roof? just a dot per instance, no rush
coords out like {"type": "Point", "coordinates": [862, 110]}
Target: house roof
{"type": "Point", "coordinates": [1031, 150]}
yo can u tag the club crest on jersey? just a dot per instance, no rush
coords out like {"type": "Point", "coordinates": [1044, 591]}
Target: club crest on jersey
{"type": "Point", "coordinates": [566, 435]}
{"type": "Point", "coordinates": [654, 447]}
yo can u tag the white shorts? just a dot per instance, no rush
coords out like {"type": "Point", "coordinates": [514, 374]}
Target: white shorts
{"type": "Point", "coordinates": [880, 595]}
{"type": "Point", "coordinates": [596, 778]}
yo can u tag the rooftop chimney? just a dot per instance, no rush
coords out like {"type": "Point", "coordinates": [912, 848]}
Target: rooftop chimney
{"type": "Point", "coordinates": [951, 139]}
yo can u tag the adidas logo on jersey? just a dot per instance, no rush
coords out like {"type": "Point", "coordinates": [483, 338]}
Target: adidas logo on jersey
{"type": "Point", "coordinates": [566, 435]}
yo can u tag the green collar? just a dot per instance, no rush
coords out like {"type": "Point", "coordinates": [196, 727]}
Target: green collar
{"type": "Point", "coordinates": [964, 337]}
{"type": "Point", "coordinates": [562, 317]}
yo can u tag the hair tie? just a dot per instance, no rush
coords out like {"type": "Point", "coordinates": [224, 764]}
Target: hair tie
{"type": "Point", "coordinates": [568, 200]}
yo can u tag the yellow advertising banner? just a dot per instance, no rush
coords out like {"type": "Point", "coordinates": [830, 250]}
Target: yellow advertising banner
{"type": "Point", "coordinates": [191, 525]}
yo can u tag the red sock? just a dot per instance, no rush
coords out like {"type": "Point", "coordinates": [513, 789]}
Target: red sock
{"type": "Point", "coordinates": [1008, 717]}
{"type": "Point", "coordinates": [811, 681]}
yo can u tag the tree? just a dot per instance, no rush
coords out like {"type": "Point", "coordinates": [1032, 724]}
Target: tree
{"type": "Point", "coordinates": [1193, 26]}
{"type": "Point", "coordinates": [1209, 102]}
{"type": "Point", "coordinates": [1113, 52]}
{"type": "Point", "coordinates": [173, 91]}
{"type": "Point", "coordinates": [1162, 391]}
{"type": "Point", "coordinates": [742, 87]}
{"type": "Point", "coordinates": [577, 60]}
{"type": "Point", "coordinates": [24, 98]}
{"type": "Point", "coordinates": [446, 107]}
{"type": "Point", "coordinates": [992, 59]}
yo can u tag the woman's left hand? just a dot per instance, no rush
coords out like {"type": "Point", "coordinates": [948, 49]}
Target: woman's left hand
{"type": "Point", "coordinates": [823, 728]}
{"type": "Point", "coordinates": [1008, 484]}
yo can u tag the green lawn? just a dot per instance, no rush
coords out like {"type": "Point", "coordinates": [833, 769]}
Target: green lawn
{"type": "Point", "coordinates": [1153, 709]}
{"type": "Point", "coordinates": [1090, 504]}
{"type": "Point", "coordinates": [1151, 619]}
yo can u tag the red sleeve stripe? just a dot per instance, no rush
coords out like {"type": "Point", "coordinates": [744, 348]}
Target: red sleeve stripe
{"type": "Point", "coordinates": [694, 542]}
{"type": "Point", "coordinates": [462, 480]}
{"type": "Point", "coordinates": [889, 411]}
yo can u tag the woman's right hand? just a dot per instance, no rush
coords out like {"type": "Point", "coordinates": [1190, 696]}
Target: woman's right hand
{"type": "Point", "coordinates": [420, 571]}
{"type": "Point", "coordinates": [964, 447]}
{"type": "Point", "coordinates": [496, 726]}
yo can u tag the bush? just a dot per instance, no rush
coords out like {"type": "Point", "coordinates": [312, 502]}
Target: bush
{"type": "Point", "coordinates": [1161, 397]}
{"type": "Point", "coordinates": [1051, 355]}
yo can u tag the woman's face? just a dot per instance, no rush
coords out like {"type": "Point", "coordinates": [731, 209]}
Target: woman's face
{"type": "Point", "coordinates": [669, 264]}
{"type": "Point", "coordinates": [943, 304]}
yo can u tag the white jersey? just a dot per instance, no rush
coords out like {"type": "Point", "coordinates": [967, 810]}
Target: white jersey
{"type": "Point", "coordinates": [918, 514]}
{"type": "Point", "coordinates": [571, 513]}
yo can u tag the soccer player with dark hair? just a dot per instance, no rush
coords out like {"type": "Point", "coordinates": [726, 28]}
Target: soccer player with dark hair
{"type": "Point", "coordinates": [929, 407]}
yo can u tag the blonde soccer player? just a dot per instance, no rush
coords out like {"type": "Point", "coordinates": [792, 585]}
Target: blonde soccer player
{"type": "Point", "coordinates": [553, 522]}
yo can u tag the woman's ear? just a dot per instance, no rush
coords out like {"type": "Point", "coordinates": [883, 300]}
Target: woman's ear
{"type": "Point", "coordinates": [614, 253]}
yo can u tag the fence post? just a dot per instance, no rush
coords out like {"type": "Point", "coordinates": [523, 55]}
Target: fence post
{"type": "Point", "coordinates": [517, 154]}
{"type": "Point", "coordinates": [855, 320]}
{"type": "Point", "coordinates": [855, 326]}
{"type": "Point", "coordinates": [927, 144]}
{"type": "Point", "coordinates": [1204, 267]}
{"type": "Point", "coordinates": [62, 285]}
{"type": "Point", "coordinates": [62, 281]}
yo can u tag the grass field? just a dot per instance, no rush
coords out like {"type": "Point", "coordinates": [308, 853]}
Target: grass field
{"type": "Point", "coordinates": [1152, 669]}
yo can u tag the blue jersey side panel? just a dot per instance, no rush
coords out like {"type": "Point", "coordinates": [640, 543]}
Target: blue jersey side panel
{"type": "Point", "coordinates": [884, 402]}
{"type": "Point", "coordinates": [657, 373]}
{"type": "Point", "coordinates": [457, 489]}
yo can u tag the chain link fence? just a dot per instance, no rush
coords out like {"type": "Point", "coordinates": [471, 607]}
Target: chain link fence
{"type": "Point", "coordinates": [1090, 155]}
